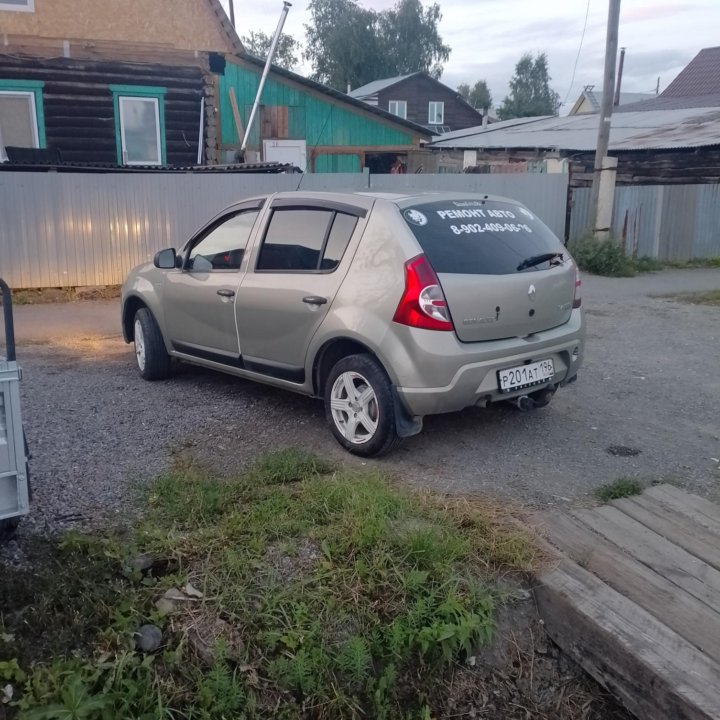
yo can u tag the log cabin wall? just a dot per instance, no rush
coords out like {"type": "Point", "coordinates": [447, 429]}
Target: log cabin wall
{"type": "Point", "coordinates": [78, 104]}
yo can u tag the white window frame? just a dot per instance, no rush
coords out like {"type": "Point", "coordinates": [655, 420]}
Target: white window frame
{"type": "Point", "coordinates": [399, 104]}
{"type": "Point", "coordinates": [28, 7]}
{"type": "Point", "coordinates": [433, 106]}
{"type": "Point", "coordinates": [158, 136]}
{"type": "Point", "coordinates": [33, 110]}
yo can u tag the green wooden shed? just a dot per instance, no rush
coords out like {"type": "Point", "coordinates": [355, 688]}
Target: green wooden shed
{"type": "Point", "coordinates": [309, 124]}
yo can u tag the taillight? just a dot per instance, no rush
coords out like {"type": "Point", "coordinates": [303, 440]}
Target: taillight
{"type": "Point", "coordinates": [423, 303]}
{"type": "Point", "coordinates": [577, 298]}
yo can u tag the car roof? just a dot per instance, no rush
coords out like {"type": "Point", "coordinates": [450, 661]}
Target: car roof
{"type": "Point", "coordinates": [367, 199]}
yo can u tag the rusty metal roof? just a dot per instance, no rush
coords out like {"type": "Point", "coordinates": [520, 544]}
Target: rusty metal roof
{"type": "Point", "coordinates": [648, 130]}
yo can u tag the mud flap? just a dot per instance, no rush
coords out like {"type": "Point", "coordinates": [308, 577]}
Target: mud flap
{"type": "Point", "coordinates": [405, 424]}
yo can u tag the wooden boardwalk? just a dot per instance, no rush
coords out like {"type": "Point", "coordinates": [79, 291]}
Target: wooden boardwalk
{"type": "Point", "coordinates": [634, 598]}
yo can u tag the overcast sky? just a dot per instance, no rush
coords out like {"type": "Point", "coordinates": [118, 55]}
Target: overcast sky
{"type": "Point", "coordinates": [488, 36]}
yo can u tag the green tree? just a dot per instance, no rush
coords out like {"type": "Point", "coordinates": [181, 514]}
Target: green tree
{"type": "Point", "coordinates": [258, 43]}
{"type": "Point", "coordinates": [351, 45]}
{"type": "Point", "coordinates": [410, 39]}
{"type": "Point", "coordinates": [478, 95]}
{"type": "Point", "coordinates": [530, 91]}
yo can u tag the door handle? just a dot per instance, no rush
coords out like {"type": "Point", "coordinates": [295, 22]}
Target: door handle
{"type": "Point", "coordinates": [314, 300]}
{"type": "Point", "coordinates": [226, 293]}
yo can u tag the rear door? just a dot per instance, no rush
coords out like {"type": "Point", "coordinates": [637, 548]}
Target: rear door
{"type": "Point", "coordinates": [503, 272]}
{"type": "Point", "coordinates": [299, 265]}
{"type": "Point", "coordinates": [200, 297]}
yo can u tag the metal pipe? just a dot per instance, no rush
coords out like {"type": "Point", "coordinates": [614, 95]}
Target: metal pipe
{"type": "Point", "coordinates": [9, 324]}
{"type": "Point", "coordinates": [232, 12]}
{"type": "Point", "coordinates": [266, 70]}
{"type": "Point", "coordinates": [201, 132]}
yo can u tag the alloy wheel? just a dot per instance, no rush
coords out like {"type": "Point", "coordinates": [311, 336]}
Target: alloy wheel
{"type": "Point", "coordinates": [354, 407]}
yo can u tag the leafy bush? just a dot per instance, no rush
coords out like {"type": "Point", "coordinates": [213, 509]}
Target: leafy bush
{"type": "Point", "coordinates": [602, 257]}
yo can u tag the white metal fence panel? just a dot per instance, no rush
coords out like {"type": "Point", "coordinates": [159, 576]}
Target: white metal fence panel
{"type": "Point", "coordinates": [668, 222]}
{"type": "Point", "coordinates": [79, 229]}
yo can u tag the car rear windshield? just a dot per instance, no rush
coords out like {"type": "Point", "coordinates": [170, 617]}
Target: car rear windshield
{"type": "Point", "coordinates": [481, 237]}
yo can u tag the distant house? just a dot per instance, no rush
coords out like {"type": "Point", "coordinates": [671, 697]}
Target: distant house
{"type": "Point", "coordinates": [590, 100]}
{"type": "Point", "coordinates": [652, 146]}
{"type": "Point", "coordinates": [146, 84]}
{"type": "Point", "coordinates": [107, 83]}
{"type": "Point", "coordinates": [421, 99]}
{"type": "Point", "coordinates": [311, 125]}
{"type": "Point", "coordinates": [697, 86]}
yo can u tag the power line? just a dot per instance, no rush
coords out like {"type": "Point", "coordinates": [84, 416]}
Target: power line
{"type": "Point", "coordinates": [577, 57]}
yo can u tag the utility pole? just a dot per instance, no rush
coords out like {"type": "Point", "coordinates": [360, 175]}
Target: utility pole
{"type": "Point", "coordinates": [601, 224]}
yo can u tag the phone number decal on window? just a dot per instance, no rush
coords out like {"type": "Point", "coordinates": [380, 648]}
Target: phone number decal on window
{"type": "Point", "coordinates": [489, 227]}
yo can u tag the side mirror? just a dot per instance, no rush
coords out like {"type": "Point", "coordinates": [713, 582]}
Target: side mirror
{"type": "Point", "coordinates": [165, 259]}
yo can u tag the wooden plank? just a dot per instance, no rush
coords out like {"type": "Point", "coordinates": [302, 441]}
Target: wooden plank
{"type": "Point", "coordinates": [657, 674]}
{"type": "Point", "coordinates": [673, 563]}
{"type": "Point", "coordinates": [236, 116]}
{"type": "Point", "coordinates": [694, 538]}
{"type": "Point", "coordinates": [680, 611]}
{"type": "Point", "coordinates": [686, 503]}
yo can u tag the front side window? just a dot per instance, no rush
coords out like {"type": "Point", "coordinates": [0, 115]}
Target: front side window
{"type": "Point", "coordinates": [21, 114]}
{"type": "Point", "coordinates": [436, 113]}
{"type": "Point", "coordinates": [223, 246]}
{"type": "Point", "coordinates": [19, 5]}
{"type": "Point", "coordinates": [398, 107]}
{"type": "Point", "coordinates": [139, 124]}
{"type": "Point", "coordinates": [305, 240]}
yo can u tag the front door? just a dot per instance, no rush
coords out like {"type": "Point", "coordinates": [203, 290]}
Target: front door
{"type": "Point", "coordinates": [200, 298]}
{"type": "Point", "coordinates": [298, 271]}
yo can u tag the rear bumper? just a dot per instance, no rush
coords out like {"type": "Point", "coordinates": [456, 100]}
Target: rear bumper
{"type": "Point", "coordinates": [475, 380]}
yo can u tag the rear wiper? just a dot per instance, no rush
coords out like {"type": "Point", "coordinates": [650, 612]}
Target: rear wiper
{"type": "Point", "coordinates": [534, 260]}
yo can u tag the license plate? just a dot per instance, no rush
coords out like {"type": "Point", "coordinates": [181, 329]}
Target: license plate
{"type": "Point", "coordinates": [525, 375]}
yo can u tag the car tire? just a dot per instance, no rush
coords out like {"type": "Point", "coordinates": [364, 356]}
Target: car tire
{"type": "Point", "coordinates": [153, 361]}
{"type": "Point", "coordinates": [359, 406]}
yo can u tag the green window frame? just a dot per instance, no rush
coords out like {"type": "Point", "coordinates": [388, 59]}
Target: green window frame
{"type": "Point", "coordinates": [34, 90]}
{"type": "Point", "coordinates": [143, 92]}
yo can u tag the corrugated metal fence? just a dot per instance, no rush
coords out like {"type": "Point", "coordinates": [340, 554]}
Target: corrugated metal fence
{"type": "Point", "coordinates": [669, 222]}
{"type": "Point", "coordinates": [75, 229]}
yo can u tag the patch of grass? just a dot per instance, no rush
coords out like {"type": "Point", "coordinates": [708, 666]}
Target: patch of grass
{"type": "Point", "coordinates": [711, 262]}
{"type": "Point", "coordinates": [712, 297]}
{"type": "Point", "coordinates": [620, 488]}
{"type": "Point", "coordinates": [347, 596]}
{"type": "Point", "coordinates": [610, 259]}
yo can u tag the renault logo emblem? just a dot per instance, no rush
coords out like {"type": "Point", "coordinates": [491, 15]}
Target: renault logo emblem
{"type": "Point", "coordinates": [531, 293]}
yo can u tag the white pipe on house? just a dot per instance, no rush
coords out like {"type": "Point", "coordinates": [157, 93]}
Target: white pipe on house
{"type": "Point", "coordinates": [266, 70]}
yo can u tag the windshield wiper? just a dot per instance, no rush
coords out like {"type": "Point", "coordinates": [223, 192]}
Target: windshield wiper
{"type": "Point", "coordinates": [534, 260]}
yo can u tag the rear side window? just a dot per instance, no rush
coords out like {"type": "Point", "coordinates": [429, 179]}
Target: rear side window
{"type": "Point", "coordinates": [305, 240]}
{"type": "Point", "coordinates": [480, 237]}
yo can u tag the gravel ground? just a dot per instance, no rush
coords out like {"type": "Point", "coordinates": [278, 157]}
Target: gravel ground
{"type": "Point", "coordinates": [650, 383]}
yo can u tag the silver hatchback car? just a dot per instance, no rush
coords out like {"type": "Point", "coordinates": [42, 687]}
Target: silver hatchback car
{"type": "Point", "coordinates": [388, 307]}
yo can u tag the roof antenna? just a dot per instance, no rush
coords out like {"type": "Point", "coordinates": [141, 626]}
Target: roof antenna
{"type": "Point", "coordinates": [616, 101]}
{"type": "Point", "coordinates": [266, 70]}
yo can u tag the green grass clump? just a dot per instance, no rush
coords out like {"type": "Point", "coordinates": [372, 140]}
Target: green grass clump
{"type": "Point", "coordinates": [602, 257]}
{"type": "Point", "coordinates": [608, 257]}
{"type": "Point", "coordinates": [347, 596]}
{"type": "Point", "coordinates": [712, 297]}
{"type": "Point", "coordinates": [620, 488]}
